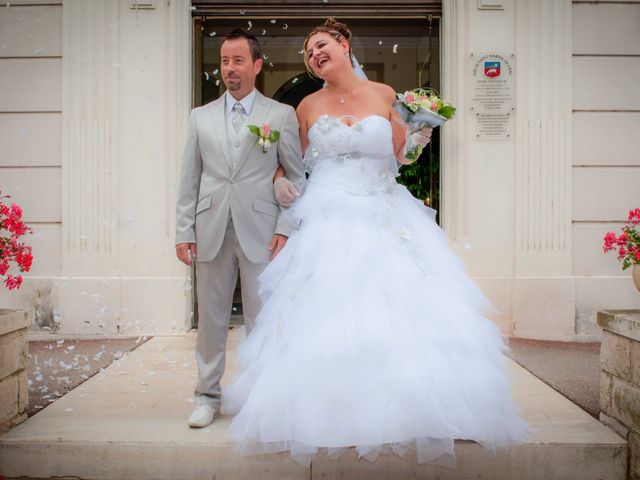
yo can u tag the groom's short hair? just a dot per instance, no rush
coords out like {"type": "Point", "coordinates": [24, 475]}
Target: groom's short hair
{"type": "Point", "coordinates": [254, 45]}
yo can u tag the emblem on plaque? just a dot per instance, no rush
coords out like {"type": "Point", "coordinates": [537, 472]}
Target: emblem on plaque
{"type": "Point", "coordinates": [492, 69]}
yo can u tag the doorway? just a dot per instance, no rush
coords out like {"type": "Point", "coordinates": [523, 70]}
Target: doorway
{"type": "Point", "coordinates": [401, 52]}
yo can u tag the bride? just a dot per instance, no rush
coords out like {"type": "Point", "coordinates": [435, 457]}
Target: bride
{"type": "Point", "coordinates": [371, 334]}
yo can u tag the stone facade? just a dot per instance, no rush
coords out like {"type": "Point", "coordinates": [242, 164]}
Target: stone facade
{"type": "Point", "coordinates": [14, 397]}
{"type": "Point", "coordinates": [620, 379]}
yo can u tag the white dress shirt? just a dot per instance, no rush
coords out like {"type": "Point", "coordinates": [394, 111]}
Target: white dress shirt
{"type": "Point", "coordinates": [246, 101]}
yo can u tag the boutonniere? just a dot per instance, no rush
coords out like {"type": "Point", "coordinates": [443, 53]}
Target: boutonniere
{"type": "Point", "coordinates": [265, 135]}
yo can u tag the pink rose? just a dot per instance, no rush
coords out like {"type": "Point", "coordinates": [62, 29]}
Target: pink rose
{"type": "Point", "coordinates": [409, 97]}
{"type": "Point", "coordinates": [434, 106]}
{"type": "Point", "coordinates": [266, 129]}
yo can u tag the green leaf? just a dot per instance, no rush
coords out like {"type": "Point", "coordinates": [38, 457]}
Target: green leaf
{"type": "Point", "coordinates": [254, 129]}
{"type": "Point", "coordinates": [448, 111]}
{"type": "Point", "coordinates": [274, 136]}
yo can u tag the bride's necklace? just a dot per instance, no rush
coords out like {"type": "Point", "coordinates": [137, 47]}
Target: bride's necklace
{"type": "Point", "coordinates": [343, 96]}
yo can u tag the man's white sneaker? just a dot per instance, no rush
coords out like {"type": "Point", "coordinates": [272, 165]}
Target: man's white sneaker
{"type": "Point", "coordinates": [202, 416]}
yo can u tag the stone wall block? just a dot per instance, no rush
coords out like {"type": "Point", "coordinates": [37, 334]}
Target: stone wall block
{"type": "Point", "coordinates": [626, 404]}
{"type": "Point", "coordinates": [13, 355]}
{"type": "Point", "coordinates": [615, 355]}
{"type": "Point", "coordinates": [635, 363]}
{"type": "Point", "coordinates": [614, 425]}
{"type": "Point", "coordinates": [23, 392]}
{"type": "Point", "coordinates": [9, 394]}
{"type": "Point", "coordinates": [634, 456]}
{"type": "Point", "coordinates": [606, 386]}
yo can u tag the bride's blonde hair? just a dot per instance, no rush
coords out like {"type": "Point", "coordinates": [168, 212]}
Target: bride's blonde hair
{"type": "Point", "coordinates": [339, 31]}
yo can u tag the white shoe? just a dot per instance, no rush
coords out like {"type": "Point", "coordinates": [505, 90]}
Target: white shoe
{"type": "Point", "coordinates": [202, 416]}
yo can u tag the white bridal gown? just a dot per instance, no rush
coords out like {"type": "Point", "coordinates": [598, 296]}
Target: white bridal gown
{"type": "Point", "coordinates": [372, 335]}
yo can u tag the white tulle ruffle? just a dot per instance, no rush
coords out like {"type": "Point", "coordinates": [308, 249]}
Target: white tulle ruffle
{"type": "Point", "coordinates": [372, 335]}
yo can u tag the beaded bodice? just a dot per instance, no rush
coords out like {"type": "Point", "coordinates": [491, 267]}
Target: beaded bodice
{"type": "Point", "coordinates": [358, 158]}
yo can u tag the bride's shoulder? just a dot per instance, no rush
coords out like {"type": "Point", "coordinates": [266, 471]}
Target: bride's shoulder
{"type": "Point", "coordinates": [384, 90]}
{"type": "Point", "coordinates": [307, 106]}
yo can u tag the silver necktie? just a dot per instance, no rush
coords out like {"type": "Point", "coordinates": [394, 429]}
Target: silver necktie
{"type": "Point", "coordinates": [237, 116]}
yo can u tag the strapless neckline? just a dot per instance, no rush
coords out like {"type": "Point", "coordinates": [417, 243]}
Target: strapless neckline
{"type": "Point", "coordinates": [356, 123]}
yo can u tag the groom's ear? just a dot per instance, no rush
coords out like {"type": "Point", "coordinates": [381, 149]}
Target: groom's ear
{"type": "Point", "coordinates": [257, 66]}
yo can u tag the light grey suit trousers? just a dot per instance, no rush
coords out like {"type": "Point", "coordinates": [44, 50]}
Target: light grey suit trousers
{"type": "Point", "coordinates": [226, 205]}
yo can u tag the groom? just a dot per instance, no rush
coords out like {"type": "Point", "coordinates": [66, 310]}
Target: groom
{"type": "Point", "coordinates": [226, 216]}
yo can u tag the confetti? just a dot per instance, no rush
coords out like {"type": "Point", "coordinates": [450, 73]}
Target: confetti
{"type": "Point", "coordinates": [301, 51]}
{"type": "Point", "coordinates": [69, 410]}
{"type": "Point", "coordinates": [212, 34]}
{"type": "Point", "coordinates": [395, 48]}
{"type": "Point", "coordinates": [265, 56]}
{"type": "Point", "coordinates": [380, 42]}
{"type": "Point", "coordinates": [215, 72]}
{"type": "Point", "coordinates": [285, 26]}
{"type": "Point", "coordinates": [217, 82]}
{"type": "Point", "coordinates": [249, 25]}
{"type": "Point", "coordinates": [264, 32]}
{"type": "Point", "coordinates": [271, 64]}
{"type": "Point", "coordinates": [295, 80]}
{"type": "Point", "coordinates": [206, 76]}
{"type": "Point", "coordinates": [242, 12]}
{"type": "Point", "coordinates": [273, 20]}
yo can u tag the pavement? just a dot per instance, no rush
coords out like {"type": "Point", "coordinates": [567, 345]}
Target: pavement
{"type": "Point", "coordinates": [571, 368]}
{"type": "Point", "coordinates": [129, 421]}
{"type": "Point", "coordinates": [58, 366]}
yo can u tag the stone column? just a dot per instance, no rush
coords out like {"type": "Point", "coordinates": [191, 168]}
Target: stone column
{"type": "Point", "coordinates": [620, 379]}
{"type": "Point", "coordinates": [126, 100]}
{"type": "Point", "coordinates": [14, 395]}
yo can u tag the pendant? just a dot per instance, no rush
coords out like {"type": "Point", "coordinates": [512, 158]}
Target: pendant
{"type": "Point", "coordinates": [341, 100]}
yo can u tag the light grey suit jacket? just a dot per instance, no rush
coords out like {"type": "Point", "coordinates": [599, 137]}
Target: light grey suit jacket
{"type": "Point", "coordinates": [211, 185]}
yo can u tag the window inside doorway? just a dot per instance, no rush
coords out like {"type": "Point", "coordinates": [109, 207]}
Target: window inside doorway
{"type": "Point", "coordinates": [403, 52]}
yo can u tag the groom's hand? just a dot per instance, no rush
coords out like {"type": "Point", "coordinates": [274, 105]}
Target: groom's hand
{"type": "Point", "coordinates": [186, 253]}
{"type": "Point", "coordinates": [277, 243]}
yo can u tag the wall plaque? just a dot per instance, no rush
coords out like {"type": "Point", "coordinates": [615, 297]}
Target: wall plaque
{"type": "Point", "coordinates": [493, 95]}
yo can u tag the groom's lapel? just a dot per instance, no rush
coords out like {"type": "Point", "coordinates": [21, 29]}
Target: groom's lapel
{"type": "Point", "coordinates": [259, 112]}
{"type": "Point", "coordinates": [219, 125]}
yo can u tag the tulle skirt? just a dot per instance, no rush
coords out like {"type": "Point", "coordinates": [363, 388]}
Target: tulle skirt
{"type": "Point", "coordinates": [371, 335]}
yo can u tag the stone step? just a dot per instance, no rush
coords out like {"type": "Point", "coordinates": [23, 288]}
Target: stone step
{"type": "Point", "coordinates": [129, 422]}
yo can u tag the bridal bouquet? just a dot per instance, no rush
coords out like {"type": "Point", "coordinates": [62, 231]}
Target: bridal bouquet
{"type": "Point", "coordinates": [628, 242]}
{"type": "Point", "coordinates": [11, 250]}
{"type": "Point", "coordinates": [421, 108]}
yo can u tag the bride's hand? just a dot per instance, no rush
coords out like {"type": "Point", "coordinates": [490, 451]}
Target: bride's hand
{"type": "Point", "coordinates": [422, 136]}
{"type": "Point", "coordinates": [285, 191]}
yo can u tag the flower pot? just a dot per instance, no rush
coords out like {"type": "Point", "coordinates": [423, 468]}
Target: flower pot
{"type": "Point", "coordinates": [635, 274]}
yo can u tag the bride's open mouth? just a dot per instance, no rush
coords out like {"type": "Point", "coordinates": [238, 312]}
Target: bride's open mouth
{"type": "Point", "coordinates": [321, 63]}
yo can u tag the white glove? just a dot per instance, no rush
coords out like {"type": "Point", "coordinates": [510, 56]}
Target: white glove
{"type": "Point", "coordinates": [285, 191]}
{"type": "Point", "coordinates": [416, 141]}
